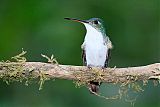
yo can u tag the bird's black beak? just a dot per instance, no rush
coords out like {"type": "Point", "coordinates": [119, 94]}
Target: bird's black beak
{"type": "Point", "coordinates": [77, 20]}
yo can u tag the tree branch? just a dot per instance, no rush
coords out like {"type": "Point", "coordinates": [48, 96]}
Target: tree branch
{"type": "Point", "coordinates": [25, 70]}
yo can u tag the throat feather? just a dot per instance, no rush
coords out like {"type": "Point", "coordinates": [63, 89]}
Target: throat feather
{"type": "Point", "coordinates": [95, 49]}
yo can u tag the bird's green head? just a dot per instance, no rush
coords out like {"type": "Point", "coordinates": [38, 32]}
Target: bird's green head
{"type": "Point", "coordinates": [97, 23]}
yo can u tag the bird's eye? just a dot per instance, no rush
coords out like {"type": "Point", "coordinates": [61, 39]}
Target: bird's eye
{"type": "Point", "coordinates": [95, 22]}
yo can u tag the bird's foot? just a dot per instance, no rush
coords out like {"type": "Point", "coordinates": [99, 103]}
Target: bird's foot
{"type": "Point", "coordinates": [103, 69]}
{"type": "Point", "coordinates": [89, 67]}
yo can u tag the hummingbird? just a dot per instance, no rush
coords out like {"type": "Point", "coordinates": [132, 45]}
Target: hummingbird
{"type": "Point", "coordinates": [96, 48]}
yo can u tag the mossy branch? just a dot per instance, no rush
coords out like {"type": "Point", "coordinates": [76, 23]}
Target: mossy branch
{"type": "Point", "coordinates": [28, 70]}
{"type": "Point", "coordinates": [22, 71]}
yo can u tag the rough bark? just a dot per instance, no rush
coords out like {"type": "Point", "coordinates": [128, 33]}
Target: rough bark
{"type": "Point", "coordinates": [80, 73]}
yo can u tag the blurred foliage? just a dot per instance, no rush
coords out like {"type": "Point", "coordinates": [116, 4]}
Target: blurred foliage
{"type": "Point", "coordinates": [38, 27]}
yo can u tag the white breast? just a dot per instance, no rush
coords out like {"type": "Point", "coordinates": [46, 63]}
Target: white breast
{"type": "Point", "coordinates": [94, 46]}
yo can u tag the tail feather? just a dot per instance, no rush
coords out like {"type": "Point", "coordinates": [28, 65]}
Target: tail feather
{"type": "Point", "coordinates": [94, 87]}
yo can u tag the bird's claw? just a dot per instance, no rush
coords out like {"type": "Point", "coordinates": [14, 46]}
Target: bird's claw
{"type": "Point", "coordinates": [89, 67]}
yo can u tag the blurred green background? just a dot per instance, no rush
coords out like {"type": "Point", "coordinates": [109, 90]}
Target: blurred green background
{"type": "Point", "coordinates": [38, 27]}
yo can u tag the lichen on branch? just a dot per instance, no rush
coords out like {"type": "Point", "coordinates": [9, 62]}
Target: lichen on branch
{"type": "Point", "coordinates": [20, 70]}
